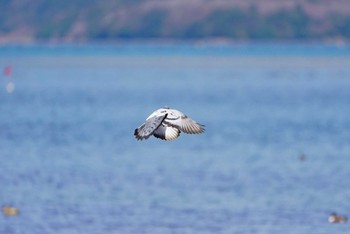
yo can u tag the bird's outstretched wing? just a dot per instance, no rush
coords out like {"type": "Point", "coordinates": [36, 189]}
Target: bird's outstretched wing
{"type": "Point", "coordinates": [166, 132]}
{"type": "Point", "coordinates": [148, 128]}
{"type": "Point", "coordinates": [185, 124]}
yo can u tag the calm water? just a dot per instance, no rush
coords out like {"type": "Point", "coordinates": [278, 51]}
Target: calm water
{"type": "Point", "coordinates": [70, 163]}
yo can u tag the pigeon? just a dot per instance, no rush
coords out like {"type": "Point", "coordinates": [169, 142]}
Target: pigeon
{"type": "Point", "coordinates": [167, 124]}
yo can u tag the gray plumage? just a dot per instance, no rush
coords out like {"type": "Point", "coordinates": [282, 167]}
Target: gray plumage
{"type": "Point", "coordinates": [167, 124]}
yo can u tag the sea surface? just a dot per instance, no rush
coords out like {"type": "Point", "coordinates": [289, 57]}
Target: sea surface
{"type": "Point", "coordinates": [275, 157]}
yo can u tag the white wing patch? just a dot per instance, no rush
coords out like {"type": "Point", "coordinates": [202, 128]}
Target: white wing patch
{"type": "Point", "coordinates": [166, 132]}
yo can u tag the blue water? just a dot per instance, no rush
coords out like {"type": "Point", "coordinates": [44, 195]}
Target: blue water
{"type": "Point", "coordinates": [70, 162]}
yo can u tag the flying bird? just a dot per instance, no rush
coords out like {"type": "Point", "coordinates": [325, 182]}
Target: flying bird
{"type": "Point", "coordinates": [335, 218]}
{"type": "Point", "coordinates": [167, 124]}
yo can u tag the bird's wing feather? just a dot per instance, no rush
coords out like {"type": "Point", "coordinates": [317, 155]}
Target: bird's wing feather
{"type": "Point", "coordinates": [166, 133]}
{"type": "Point", "coordinates": [148, 128]}
{"type": "Point", "coordinates": [185, 124]}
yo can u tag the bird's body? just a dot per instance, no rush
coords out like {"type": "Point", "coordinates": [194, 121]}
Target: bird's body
{"type": "Point", "coordinates": [167, 124]}
{"type": "Point", "coordinates": [335, 218]}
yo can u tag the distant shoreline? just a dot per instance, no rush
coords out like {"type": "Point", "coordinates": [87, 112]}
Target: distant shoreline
{"type": "Point", "coordinates": [164, 41]}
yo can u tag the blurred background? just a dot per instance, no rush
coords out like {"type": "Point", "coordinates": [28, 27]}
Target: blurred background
{"type": "Point", "coordinates": [91, 20]}
{"type": "Point", "coordinates": [269, 79]}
